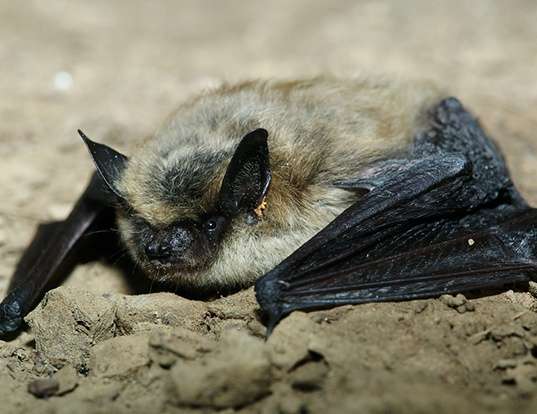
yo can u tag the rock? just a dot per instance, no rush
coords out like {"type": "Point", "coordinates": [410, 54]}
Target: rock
{"type": "Point", "coordinates": [68, 322]}
{"type": "Point", "coordinates": [526, 299]}
{"type": "Point", "coordinates": [458, 302]}
{"type": "Point", "coordinates": [240, 305]}
{"type": "Point", "coordinates": [140, 313]}
{"type": "Point", "coordinates": [166, 346]}
{"type": "Point", "coordinates": [119, 356]}
{"type": "Point", "coordinates": [528, 320]}
{"type": "Point", "coordinates": [523, 375]}
{"type": "Point", "coordinates": [309, 376]}
{"type": "Point", "coordinates": [506, 363]}
{"type": "Point", "coordinates": [289, 344]}
{"type": "Point", "coordinates": [43, 387]}
{"type": "Point", "coordinates": [532, 289]}
{"type": "Point", "coordinates": [235, 374]}
{"type": "Point", "coordinates": [67, 378]}
{"type": "Point", "coordinates": [62, 382]}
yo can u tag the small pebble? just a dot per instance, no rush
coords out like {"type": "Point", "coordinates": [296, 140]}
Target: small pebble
{"type": "Point", "coordinates": [67, 379]}
{"type": "Point", "coordinates": [459, 303]}
{"type": "Point", "coordinates": [44, 387]}
{"type": "Point", "coordinates": [533, 289]}
{"type": "Point", "coordinates": [453, 301]}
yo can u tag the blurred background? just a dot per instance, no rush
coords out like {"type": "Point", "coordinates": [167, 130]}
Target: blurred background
{"type": "Point", "coordinates": [116, 69]}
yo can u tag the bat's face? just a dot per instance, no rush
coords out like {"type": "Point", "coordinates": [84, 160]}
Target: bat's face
{"type": "Point", "coordinates": [187, 246]}
{"type": "Point", "coordinates": [178, 213]}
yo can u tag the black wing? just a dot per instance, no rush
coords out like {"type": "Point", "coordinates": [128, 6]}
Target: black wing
{"type": "Point", "coordinates": [495, 257]}
{"type": "Point", "coordinates": [52, 252]}
{"type": "Point", "coordinates": [445, 220]}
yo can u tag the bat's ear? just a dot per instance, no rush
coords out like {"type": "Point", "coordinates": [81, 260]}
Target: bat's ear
{"type": "Point", "coordinates": [110, 163]}
{"type": "Point", "coordinates": [247, 177]}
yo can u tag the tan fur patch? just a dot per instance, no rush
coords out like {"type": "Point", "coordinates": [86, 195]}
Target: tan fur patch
{"type": "Point", "coordinates": [320, 130]}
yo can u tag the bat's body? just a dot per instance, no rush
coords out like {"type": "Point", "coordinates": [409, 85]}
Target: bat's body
{"type": "Point", "coordinates": [418, 199]}
{"type": "Point", "coordinates": [320, 132]}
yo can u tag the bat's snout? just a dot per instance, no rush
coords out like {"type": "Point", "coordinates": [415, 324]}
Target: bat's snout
{"type": "Point", "coordinates": [170, 246]}
{"type": "Point", "coordinates": [157, 252]}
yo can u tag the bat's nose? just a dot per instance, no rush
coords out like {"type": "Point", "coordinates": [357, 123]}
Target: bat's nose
{"type": "Point", "coordinates": [156, 250]}
{"type": "Point", "coordinates": [170, 246]}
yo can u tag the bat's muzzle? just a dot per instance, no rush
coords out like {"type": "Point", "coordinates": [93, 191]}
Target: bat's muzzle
{"type": "Point", "coordinates": [170, 246]}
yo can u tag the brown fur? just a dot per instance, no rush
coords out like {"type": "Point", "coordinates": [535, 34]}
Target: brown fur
{"type": "Point", "coordinates": [320, 130]}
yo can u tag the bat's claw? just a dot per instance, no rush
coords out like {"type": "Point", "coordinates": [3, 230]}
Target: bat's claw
{"type": "Point", "coordinates": [267, 292]}
{"type": "Point", "coordinates": [10, 315]}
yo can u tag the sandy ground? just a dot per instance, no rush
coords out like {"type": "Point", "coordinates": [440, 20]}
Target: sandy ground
{"type": "Point", "coordinates": [128, 63]}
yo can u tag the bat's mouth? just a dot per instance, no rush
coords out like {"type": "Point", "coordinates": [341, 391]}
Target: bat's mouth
{"type": "Point", "coordinates": [170, 269]}
{"type": "Point", "coordinates": [175, 265]}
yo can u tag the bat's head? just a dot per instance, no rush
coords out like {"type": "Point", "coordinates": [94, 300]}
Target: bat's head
{"type": "Point", "coordinates": [178, 208]}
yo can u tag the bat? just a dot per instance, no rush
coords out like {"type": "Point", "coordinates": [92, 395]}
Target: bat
{"type": "Point", "coordinates": [321, 192]}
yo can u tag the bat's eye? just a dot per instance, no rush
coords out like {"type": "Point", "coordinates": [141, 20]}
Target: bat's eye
{"type": "Point", "coordinates": [213, 225]}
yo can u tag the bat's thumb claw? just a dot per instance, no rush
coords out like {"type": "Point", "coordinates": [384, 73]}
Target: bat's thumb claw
{"type": "Point", "coordinates": [268, 295]}
{"type": "Point", "coordinates": [10, 315]}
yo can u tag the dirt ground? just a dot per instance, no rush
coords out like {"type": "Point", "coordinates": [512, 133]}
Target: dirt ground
{"type": "Point", "coordinates": [116, 69]}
